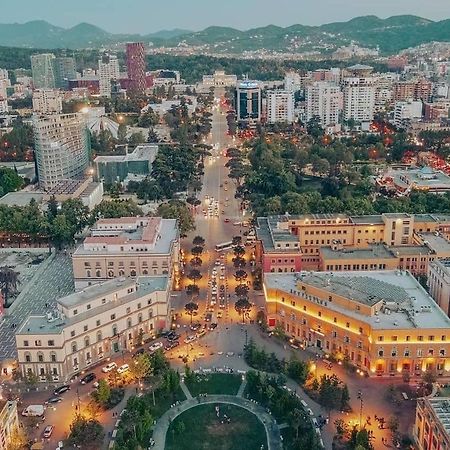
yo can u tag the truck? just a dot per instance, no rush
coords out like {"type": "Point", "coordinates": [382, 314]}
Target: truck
{"type": "Point", "coordinates": [33, 411]}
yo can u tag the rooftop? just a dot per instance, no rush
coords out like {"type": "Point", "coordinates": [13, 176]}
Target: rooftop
{"type": "Point", "coordinates": [145, 285]}
{"type": "Point", "coordinates": [438, 243]}
{"type": "Point", "coordinates": [441, 409]}
{"type": "Point", "coordinates": [373, 252]}
{"type": "Point", "coordinates": [144, 152]}
{"type": "Point", "coordinates": [21, 198]}
{"type": "Point", "coordinates": [409, 304]}
{"type": "Point", "coordinates": [268, 232]}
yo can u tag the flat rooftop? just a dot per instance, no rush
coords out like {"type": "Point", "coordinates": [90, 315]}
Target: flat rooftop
{"type": "Point", "coordinates": [268, 232]}
{"type": "Point", "coordinates": [375, 219]}
{"type": "Point", "coordinates": [373, 252]}
{"type": "Point", "coordinates": [140, 153]}
{"type": "Point", "coordinates": [437, 242]}
{"type": "Point", "coordinates": [146, 285]}
{"type": "Point", "coordinates": [441, 409]}
{"type": "Point", "coordinates": [21, 198]}
{"type": "Point", "coordinates": [409, 304]}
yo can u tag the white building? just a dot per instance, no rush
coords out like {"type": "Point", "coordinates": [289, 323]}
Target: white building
{"type": "Point", "coordinates": [47, 101]}
{"type": "Point", "coordinates": [3, 106]}
{"type": "Point", "coordinates": [219, 79]}
{"type": "Point", "coordinates": [43, 69]}
{"type": "Point", "coordinates": [292, 81]}
{"type": "Point", "coordinates": [280, 106]}
{"type": "Point", "coordinates": [4, 85]}
{"type": "Point", "coordinates": [324, 100]}
{"type": "Point", "coordinates": [108, 69]}
{"type": "Point", "coordinates": [61, 148]}
{"type": "Point", "coordinates": [92, 325]}
{"type": "Point", "coordinates": [439, 283]}
{"type": "Point", "coordinates": [359, 98]}
{"type": "Point", "coordinates": [406, 111]}
{"type": "Point", "coordinates": [4, 74]}
{"type": "Point", "coordinates": [9, 423]}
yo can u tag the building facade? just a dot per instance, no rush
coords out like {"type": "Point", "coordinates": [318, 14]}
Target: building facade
{"type": "Point", "coordinates": [248, 102]}
{"type": "Point", "coordinates": [135, 54]}
{"type": "Point", "coordinates": [9, 423]}
{"type": "Point", "coordinates": [43, 70]}
{"type": "Point", "coordinates": [359, 98]}
{"type": "Point", "coordinates": [432, 425]}
{"type": "Point", "coordinates": [47, 101]}
{"type": "Point", "coordinates": [383, 322]}
{"type": "Point", "coordinates": [127, 246]}
{"type": "Point", "coordinates": [65, 70]}
{"type": "Point", "coordinates": [280, 106]}
{"type": "Point", "coordinates": [92, 325]}
{"type": "Point", "coordinates": [325, 101]}
{"type": "Point", "coordinates": [62, 148]}
{"type": "Point", "coordinates": [108, 71]}
{"type": "Point", "coordinates": [439, 283]}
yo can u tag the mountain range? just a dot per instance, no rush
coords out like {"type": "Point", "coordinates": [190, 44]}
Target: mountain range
{"type": "Point", "coordinates": [390, 35]}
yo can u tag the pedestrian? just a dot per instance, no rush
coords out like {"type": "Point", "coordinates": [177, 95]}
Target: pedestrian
{"type": "Point", "coordinates": [382, 440]}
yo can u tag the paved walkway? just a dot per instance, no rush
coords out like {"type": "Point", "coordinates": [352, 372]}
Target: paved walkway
{"type": "Point", "coordinates": [185, 389]}
{"type": "Point", "coordinates": [270, 425]}
{"type": "Point", "coordinates": [242, 388]}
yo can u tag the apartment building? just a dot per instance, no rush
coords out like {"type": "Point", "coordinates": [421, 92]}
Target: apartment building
{"type": "Point", "coordinates": [324, 100]}
{"type": "Point", "coordinates": [62, 148]}
{"type": "Point", "coordinates": [127, 246]}
{"type": "Point", "coordinates": [43, 70]}
{"type": "Point", "coordinates": [315, 231]}
{"type": "Point", "coordinates": [9, 423]}
{"type": "Point", "coordinates": [383, 322]}
{"type": "Point", "coordinates": [432, 425]}
{"type": "Point", "coordinates": [92, 325]}
{"type": "Point", "coordinates": [280, 106]}
{"type": "Point", "coordinates": [108, 71]}
{"type": "Point", "coordinates": [359, 98]}
{"type": "Point", "coordinates": [47, 101]}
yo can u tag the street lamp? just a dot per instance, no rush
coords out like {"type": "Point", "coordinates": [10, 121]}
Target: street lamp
{"type": "Point", "coordinates": [360, 398]}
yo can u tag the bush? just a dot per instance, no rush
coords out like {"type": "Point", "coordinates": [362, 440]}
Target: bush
{"type": "Point", "coordinates": [115, 398]}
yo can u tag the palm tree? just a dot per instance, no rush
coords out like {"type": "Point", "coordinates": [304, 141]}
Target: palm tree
{"type": "Point", "coordinates": [242, 306]}
{"type": "Point", "coordinates": [239, 250]}
{"type": "Point", "coordinates": [192, 290]}
{"type": "Point", "coordinates": [241, 290]}
{"type": "Point", "coordinates": [239, 262]}
{"type": "Point", "coordinates": [8, 282]}
{"type": "Point", "coordinates": [198, 241]}
{"type": "Point", "coordinates": [190, 308]}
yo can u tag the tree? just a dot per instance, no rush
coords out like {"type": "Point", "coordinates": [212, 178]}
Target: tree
{"type": "Point", "coordinates": [194, 275]}
{"type": "Point", "coordinates": [9, 180]}
{"type": "Point", "coordinates": [240, 275]}
{"type": "Point", "coordinates": [429, 377]}
{"type": "Point", "coordinates": [241, 290]}
{"type": "Point", "coordinates": [239, 250]}
{"type": "Point", "coordinates": [122, 133]}
{"type": "Point", "coordinates": [177, 210]}
{"type": "Point", "coordinates": [242, 306]}
{"type": "Point", "coordinates": [296, 418]}
{"type": "Point", "coordinates": [9, 279]}
{"type": "Point", "coordinates": [345, 398]}
{"type": "Point", "coordinates": [197, 250]}
{"type": "Point", "coordinates": [314, 128]}
{"type": "Point", "coordinates": [297, 370]}
{"type": "Point", "coordinates": [93, 409]}
{"type": "Point", "coordinates": [196, 261]}
{"type": "Point", "coordinates": [52, 208]}
{"type": "Point", "coordinates": [393, 424]}
{"type": "Point", "coordinates": [61, 231]}
{"type": "Point", "coordinates": [190, 308]}
{"type": "Point", "coordinates": [239, 262]}
{"type": "Point", "coordinates": [86, 433]}
{"type": "Point", "coordinates": [192, 290]}
{"type": "Point", "coordinates": [198, 241]}
{"type": "Point", "coordinates": [103, 392]}
{"type": "Point", "coordinates": [141, 367]}
{"type": "Point", "coordinates": [17, 439]}
{"type": "Point", "coordinates": [115, 208]}
{"type": "Point", "coordinates": [171, 382]}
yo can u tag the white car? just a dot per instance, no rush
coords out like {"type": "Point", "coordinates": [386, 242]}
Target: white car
{"type": "Point", "coordinates": [190, 338]}
{"type": "Point", "coordinates": [123, 368]}
{"type": "Point", "coordinates": [109, 367]}
{"type": "Point", "coordinates": [155, 346]}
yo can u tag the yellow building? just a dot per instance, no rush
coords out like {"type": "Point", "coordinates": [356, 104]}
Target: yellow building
{"type": "Point", "coordinates": [9, 423]}
{"type": "Point", "coordinates": [384, 322]}
{"type": "Point", "coordinates": [432, 425]}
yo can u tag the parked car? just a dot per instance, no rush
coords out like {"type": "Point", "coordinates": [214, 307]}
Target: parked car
{"type": "Point", "coordinates": [53, 400]}
{"type": "Point", "coordinates": [48, 430]}
{"type": "Point", "coordinates": [109, 367]}
{"type": "Point", "coordinates": [171, 345]}
{"type": "Point", "coordinates": [155, 346]}
{"type": "Point", "coordinates": [190, 338]}
{"type": "Point", "coordinates": [61, 389]}
{"type": "Point", "coordinates": [88, 378]}
{"type": "Point", "coordinates": [139, 351]}
{"type": "Point", "coordinates": [212, 326]}
{"type": "Point", "coordinates": [123, 368]}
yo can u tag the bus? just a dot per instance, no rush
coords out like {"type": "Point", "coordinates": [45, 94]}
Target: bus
{"type": "Point", "coordinates": [224, 246]}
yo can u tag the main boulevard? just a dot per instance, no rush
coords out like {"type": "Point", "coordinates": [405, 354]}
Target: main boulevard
{"type": "Point", "coordinates": [223, 346]}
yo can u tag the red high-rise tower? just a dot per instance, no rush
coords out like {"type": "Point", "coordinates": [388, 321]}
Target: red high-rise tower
{"type": "Point", "coordinates": [136, 67]}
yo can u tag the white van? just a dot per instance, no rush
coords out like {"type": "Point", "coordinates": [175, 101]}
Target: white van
{"type": "Point", "coordinates": [109, 367]}
{"type": "Point", "coordinates": [33, 411]}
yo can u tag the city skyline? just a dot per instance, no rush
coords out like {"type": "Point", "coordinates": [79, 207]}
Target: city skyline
{"type": "Point", "coordinates": [144, 18]}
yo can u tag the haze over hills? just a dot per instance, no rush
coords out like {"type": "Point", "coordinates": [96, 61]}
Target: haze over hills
{"type": "Point", "coordinates": [390, 35]}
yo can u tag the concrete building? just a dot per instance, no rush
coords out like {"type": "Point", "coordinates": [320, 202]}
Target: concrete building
{"type": "Point", "coordinates": [4, 107]}
{"type": "Point", "coordinates": [112, 169]}
{"type": "Point", "coordinates": [108, 71]}
{"type": "Point", "coordinates": [65, 70]}
{"type": "Point", "coordinates": [219, 79]}
{"type": "Point", "coordinates": [280, 106]}
{"type": "Point", "coordinates": [61, 148]}
{"type": "Point", "coordinates": [293, 81]}
{"type": "Point", "coordinates": [407, 111]}
{"type": "Point", "coordinates": [383, 322]}
{"type": "Point", "coordinates": [128, 246]}
{"type": "Point", "coordinates": [324, 100]}
{"type": "Point", "coordinates": [248, 102]}
{"type": "Point", "coordinates": [439, 283]}
{"type": "Point", "coordinates": [43, 70]}
{"type": "Point", "coordinates": [89, 326]}
{"type": "Point", "coordinates": [9, 423]}
{"type": "Point", "coordinates": [418, 89]}
{"type": "Point", "coordinates": [359, 98]}
{"type": "Point", "coordinates": [4, 85]}
{"type": "Point", "coordinates": [47, 101]}
{"type": "Point", "coordinates": [313, 232]}
{"type": "Point", "coordinates": [432, 425]}
{"type": "Point", "coordinates": [135, 55]}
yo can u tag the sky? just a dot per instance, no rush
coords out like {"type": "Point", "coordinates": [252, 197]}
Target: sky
{"type": "Point", "coordinates": [147, 16]}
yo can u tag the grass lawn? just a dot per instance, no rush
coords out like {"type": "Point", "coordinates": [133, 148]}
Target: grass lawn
{"type": "Point", "coordinates": [203, 430]}
{"type": "Point", "coordinates": [214, 383]}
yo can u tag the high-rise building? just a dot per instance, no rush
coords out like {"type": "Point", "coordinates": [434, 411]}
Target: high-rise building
{"type": "Point", "coordinates": [324, 100]}
{"type": "Point", "coordinates": [405, 111]}
{"type": "Point", "coordinates": [47, 101]}
{"type": "Point", "coordinates": [292, 81]}
{"type": "Point", "coordinates": [43, 70]}
{"type": "Point", "coordinates": [65, 70]}
{"type": "Point", "coordinates": [61, 147]}
{"type": "Point", "coordinates": [4, 74]}
{"type": "Point", "coordinates": [136, 67]}
{"type": "Point", "coordinates": [359, 98]}
{"type": "Point", "coordinates": [248, 101]}
{"type": "Point", "coordinates": [280, 106]}
{"type": "Point", "coordinates": [108, 70]}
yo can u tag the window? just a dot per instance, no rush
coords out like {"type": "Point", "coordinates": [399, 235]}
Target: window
{"type": "Point", "coordinates": [419, 352]}
{"type": "Point", "coordinates": [74, 347]}
{"type": "Point", "coordinates": [394, 338]}
{"type": "Point", "coordinates": [99, 336]}
{"type": "Point", "coordinates": [139, 306]}
{"type": "Point", "coordinates": [394, 352]}
{"type": "Point", "coordinates": [85, 328]}
{"type": "Point", "coordinates": [347, 324]}
{"type": "Point", "coordinates": [380, 338]}
{"type": "Point", "coordinates": [381, 352]}
{"type": "Point", "coordinates": [443, 337]}
{"type": "Point", "coordinates": [97, 323]}
{"type": "Point", "coordinates": [420, 338]}
{"type": "Point", "coordinates": [75, 312]}
{"type": "Point", "coordinates": [53, 357]}
{"type": "Point", "coordinates": [88, 306]}
{"type": "Point", "coordinates": [335, 320]}
{"type": "Point", "coordinates": [37, 343]}
{"type": "Point", "coordinates": [431, 338]}
{"type": "Point", "coordinates": [442, 352]}
{"type": "Point", "coordinates": [113, 316]}
{"type": "Point", "coordinates": [72, 333]}
{"type": "Point", "coordinates": [408, 338]}
{"type": "Point", "coordinates": [128, 310]}
{"type": "Point", "coordinates": [27, 357]}
{"type": "Point", "coordinates": [86, 341]}
{"type": "Point", "coordinates": [25, 343]}
{"type": "Point", "coordinates": [51, 343]}
{"type": "Point", "coordinates": [430, 352]}
{"type": "Point", "coordinates": [40, 357]}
